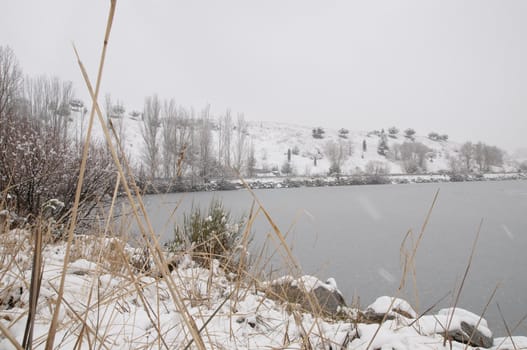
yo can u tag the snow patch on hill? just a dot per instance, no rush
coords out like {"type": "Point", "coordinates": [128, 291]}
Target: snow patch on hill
{"type": "Point", "coordinates": [272, 140]}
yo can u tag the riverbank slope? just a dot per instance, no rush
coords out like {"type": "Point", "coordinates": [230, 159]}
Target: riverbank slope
{"type": "Point", "coordinates": [112, 301]}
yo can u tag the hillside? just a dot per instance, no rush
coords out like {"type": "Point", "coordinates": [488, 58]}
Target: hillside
{"type": "Point", "coordinates": [272, 140]}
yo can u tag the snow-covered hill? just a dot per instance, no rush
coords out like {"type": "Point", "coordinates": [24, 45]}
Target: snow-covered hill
{"type": "Point", "coordinates": [272, 140]}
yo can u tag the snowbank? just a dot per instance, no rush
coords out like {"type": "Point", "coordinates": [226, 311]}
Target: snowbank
{"type": "Point", "coordinates": [106, 306]}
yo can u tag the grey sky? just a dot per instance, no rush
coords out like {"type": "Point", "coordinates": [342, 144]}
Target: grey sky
{"type": "Point", "coordinates": [456, 67]}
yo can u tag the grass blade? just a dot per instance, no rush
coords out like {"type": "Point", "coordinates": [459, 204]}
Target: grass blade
{"type": "Point", "coordinates": [34, 290]}
{"type": "Point", "coordinates": [54, 322]}
{"type": "Point", "coordinates": [472, 251]}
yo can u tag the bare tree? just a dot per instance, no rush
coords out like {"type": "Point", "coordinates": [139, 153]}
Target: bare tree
{"type": "Point", "coordinates": [118, 113]}
{"type": "Point", "coordinates": [192, 153]}
{"type": "Point", "coordinates": [115, 119]}
{"type": "Point", "coordinates": [478, 151]}
{"type": "Point", "coordinates": [10, 81]}
{"type": "Point", "coordinates": [205, 145]}
{"type": "Point", "coordinates": [108, 106]}
{"type": "Point", "coordinates": [466, 155]}
{"type": "Point", "coordinates": [486, 156]}
{"type": "Point", "coordinates": [226, 127]}
{"type": "Point", "coordinates": [493, 156]}
{"type": "Point", "coordinates": [49, 100]}
{"type": "Point", "coordinates": [337, 154]}
{"type": "Point", "coordinates": [454, 164]}
{"type": "Point", "coordinates": [169, 138]}
{"type": "Point", "coordinates": [251, 160]}
{"type": "Point", "coordinates": [149, 130]}
{"type": "Point", "coordinates": [78, 107]}
{"type": "Point", "coordinates": [61, 94]}
{"type": "Point", "coordinates": [35, 98]}
{"type": "Point", "coordinates": [221, 131]}
{"type": "Point", "coordinates": [183, 131]}
{"type": "Point", "coordinates": [240, 142]}
{"type": "Point", "coordinates": [176, 127]}
{"type": "Point", "coordinates": [413, 156]}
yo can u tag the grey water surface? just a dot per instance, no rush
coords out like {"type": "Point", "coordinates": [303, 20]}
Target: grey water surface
{"type": "Point", "coordinates": [354, 234]}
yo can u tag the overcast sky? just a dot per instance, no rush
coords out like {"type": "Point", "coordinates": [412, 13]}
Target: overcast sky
{"type": "Point", "coordinates": [456, 67]}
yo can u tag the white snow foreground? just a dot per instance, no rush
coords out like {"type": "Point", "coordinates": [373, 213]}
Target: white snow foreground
{"type": "Point", "coordinates": [106, 307]}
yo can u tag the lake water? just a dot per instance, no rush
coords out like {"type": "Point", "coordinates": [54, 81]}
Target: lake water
{"type": "Point", "coordinates": [354, 234]}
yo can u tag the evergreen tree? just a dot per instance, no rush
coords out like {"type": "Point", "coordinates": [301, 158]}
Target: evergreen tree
{"type": "Point", "coordinates": [382, 148]}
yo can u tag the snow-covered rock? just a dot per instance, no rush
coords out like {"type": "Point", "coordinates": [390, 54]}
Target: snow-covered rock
{"type": "Point", "coordinates": [460, 325]}
{"type": "Point", "coordinates": [388, 308]}
{"type": "Point", "coordinates": [309, 292]}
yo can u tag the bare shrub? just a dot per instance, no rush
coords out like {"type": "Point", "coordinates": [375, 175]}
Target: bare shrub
{"type": "Point", "coordinates": [376, 167]}
{"type": "Point", "coordinates": [413, 156]}
{"type": "Point", "coordinates": [287, 168]}
{"type": "Point", "coordinates": [37, 166]}
{"type": "Point", "coordinates": [337, 155]}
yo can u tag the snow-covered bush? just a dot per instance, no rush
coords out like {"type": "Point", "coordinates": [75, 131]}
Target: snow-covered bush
{"type": "Point", "coordinates": [318, 133]}
{"type": "Point", "coordinates": [211, 235]}
{"type": "Point", "coordinates": [392, 132]}
{"type": "Point", "coordinates": [409, 134]}
{"type": "Point", "coordinates": [38, 159]}
{"type": "Point", "coordinates": [434, 136]}
{"type": "Point", "coordinates": [38, 165]}
{"type": "Point", "coordinates": [343, 133]}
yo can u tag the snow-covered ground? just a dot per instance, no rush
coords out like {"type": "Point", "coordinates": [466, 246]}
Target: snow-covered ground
{"type": "Point", "coordinates": [108, 306]}
{"type": "Point", "coordinates": [272, 140]}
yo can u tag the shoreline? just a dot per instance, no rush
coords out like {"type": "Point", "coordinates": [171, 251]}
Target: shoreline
{"type": "Point", "coordinates": [229, 311]}
{"type": "Point", "coordinates": [276, 182]}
